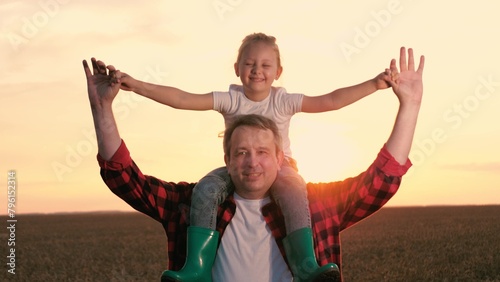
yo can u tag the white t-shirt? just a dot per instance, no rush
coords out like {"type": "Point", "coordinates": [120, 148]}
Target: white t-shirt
{"type": "Point", "coordinates": [278, 106]}
{"type": "Point", "coordinates": [248, 251]}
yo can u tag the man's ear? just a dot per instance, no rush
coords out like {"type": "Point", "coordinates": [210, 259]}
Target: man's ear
{"type": "Point", "coordinates": [280, 156]}
{"type": "Point", "coordinates": [236, 69]}
{"type": "Point", "coordinates": [226, 160]}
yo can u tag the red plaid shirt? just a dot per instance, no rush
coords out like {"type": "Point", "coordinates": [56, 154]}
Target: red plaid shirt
{"type": "Point", "coordinates": [334, 206]}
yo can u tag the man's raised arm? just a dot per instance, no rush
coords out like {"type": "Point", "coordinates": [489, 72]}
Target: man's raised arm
{"type": "Point", "coordinates": [408, 87]}
{"type": "Point", "coordinates": [102, 89]}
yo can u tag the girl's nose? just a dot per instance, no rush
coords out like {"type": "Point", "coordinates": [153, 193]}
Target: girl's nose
{"type": "Point", "coordinates": [256, 69]}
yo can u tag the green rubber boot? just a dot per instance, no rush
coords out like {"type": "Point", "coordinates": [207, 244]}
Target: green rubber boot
{"type": "Point", "coordinates": [299, 251]}
{"type": "Point", "coordinates": [201, 249]}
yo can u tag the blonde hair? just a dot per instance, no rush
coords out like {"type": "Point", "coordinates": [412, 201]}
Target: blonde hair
{"type": "Point", "coordinates": [259, 37]}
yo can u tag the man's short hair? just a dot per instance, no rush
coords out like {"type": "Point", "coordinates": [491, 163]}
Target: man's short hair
{"type": "Point", "coordinates": [256, 121]}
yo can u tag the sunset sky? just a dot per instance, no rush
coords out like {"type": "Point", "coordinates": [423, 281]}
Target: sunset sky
{"type": "Point", "coordinates": [46, 129]}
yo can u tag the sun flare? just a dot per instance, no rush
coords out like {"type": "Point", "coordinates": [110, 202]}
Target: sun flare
{"type": "Point", "coordinates": [324, 152]}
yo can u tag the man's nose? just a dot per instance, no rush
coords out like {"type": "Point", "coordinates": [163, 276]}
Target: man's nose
{"type": "Point", "coordinates": [251, 160]}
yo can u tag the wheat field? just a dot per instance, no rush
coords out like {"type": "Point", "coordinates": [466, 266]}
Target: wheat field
{"type": "Point", "coordinates": [396, 244]}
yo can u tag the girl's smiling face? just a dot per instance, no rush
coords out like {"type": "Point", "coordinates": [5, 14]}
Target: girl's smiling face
{"type": "Point", "coordinates": [258, 68]}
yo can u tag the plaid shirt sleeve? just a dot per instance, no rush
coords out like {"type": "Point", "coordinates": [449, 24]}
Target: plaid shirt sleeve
{"type": "Point", "coordinates": [372, 189]}
{"type": "Point", "coordinates": [355, 198]}
{"type": "Point", "coordinates": [337, 205]}
{"type": "Point", "coordinates": [147, 194]}
{"type": "Point", "coordinates": [166, 202]}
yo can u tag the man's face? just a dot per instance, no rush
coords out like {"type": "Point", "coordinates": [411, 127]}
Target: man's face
{"type": "Point", "coordinates": [253, 162]}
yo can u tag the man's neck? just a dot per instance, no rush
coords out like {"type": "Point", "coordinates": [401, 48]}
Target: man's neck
{"type": "Point", "coordinates": [251, 196]}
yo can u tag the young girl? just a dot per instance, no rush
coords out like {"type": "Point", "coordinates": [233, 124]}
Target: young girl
{"type": "Point", "coordinates": [258, 64]}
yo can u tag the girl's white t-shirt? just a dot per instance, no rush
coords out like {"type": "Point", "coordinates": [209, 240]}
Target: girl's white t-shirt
{"type": "Point", "coordinates": [279, 106]}
{"type": "Point", "coordinates": [248, 251]}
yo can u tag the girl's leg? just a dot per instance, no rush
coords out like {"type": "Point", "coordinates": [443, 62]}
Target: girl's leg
{"type": "Point", "coordinates": [208, 194]}
{"type": "Point", "coordinates": [202, 238]}
{"type": "Point", "coordinates": [289, 192]}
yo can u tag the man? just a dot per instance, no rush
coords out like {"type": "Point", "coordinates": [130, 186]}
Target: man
{"type": "Point", "coordinates": [252, 242]}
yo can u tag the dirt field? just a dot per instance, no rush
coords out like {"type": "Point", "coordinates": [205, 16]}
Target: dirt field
{"type": "Point", "coordinates": [396, 244]}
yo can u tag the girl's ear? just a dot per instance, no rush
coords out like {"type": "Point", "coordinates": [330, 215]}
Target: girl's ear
{"type": "Point", "coordinates": [278, 72]}
{"type": "Point", "coordinates": [236, 69]}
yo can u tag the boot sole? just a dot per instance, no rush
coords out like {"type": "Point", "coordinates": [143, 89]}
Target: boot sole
{"type": "Point", "coordinates": [332, 275]}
